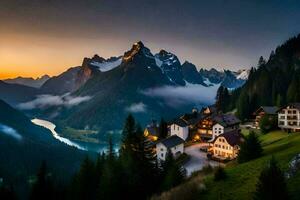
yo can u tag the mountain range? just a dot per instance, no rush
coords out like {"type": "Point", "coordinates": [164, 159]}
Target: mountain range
{"type": "Point", "coordinates": [28, 81]}
{"type": "Point", "coordinates": [101, 92]}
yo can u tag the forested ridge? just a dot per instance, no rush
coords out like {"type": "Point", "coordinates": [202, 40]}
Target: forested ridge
{"type": "Point", "coordinates": [274, 82]}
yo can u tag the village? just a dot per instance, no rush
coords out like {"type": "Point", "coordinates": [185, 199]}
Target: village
{"type": "Point", "coordinates": [209, 137]}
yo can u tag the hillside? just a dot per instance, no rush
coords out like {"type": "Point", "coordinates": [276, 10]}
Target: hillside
{"type": "Point", "coordinates": [242, 178]}
{"type": "Point", "coordinates": [273, 82]}
{"type": "Point", "coordinates": [15, 93]}
{"type": "Point", "coordinates": [23, 147]}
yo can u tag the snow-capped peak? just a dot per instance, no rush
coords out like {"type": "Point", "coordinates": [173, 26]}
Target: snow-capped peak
{"type": "Point", "coordinates": [166, 58]}
{"type": "Point", "coordinates": [243, 74]}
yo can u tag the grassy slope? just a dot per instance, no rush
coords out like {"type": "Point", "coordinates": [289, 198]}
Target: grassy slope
{"type": "Point", "coordinates": [242, 178]}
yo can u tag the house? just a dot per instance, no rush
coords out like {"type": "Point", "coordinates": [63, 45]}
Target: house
{"type": "Point", "coordinates": [180, 128]}
{"type": "Point", "coordinates": [152, 131]}
{"type": "Point", "coordinates": [204, 127]}
{"type": "Point", "coordinates": [224, 123]}
{"type": "Point", "coordinates": [289, 117]}
{"type": "Point", "coordinates": [173, 144]}
{"type": "Point", "coordinates": [262, 111]}
{"type": "Point", "coordinates": [227, 145]}
{"type": "Point", "coordinates": [213, 125]}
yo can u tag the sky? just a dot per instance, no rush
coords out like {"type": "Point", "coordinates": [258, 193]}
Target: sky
{"type": "Point", "coordinates": [40, 37]}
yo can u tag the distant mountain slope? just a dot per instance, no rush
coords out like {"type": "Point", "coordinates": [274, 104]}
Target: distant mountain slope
{"type": "Point", "coordinates": [226, 78]}
{"type": "Point", "coordinates": [62, 83]}
{"type": "Point", "coordinates": [15, 93]}
{"type": "Point", "coordinates": [190, 73]}
{"type": "Point", "coordinates": [273, 82]}
{"type": "Point", "coordinates": [27, 145]}
{"type": "Point", "coordinates": [36, 83]}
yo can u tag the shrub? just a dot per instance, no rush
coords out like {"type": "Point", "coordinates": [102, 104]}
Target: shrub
{"type": "Point", "coordinates": [268, 123]}
{"type": "Point", "coordinates": [220, 174]}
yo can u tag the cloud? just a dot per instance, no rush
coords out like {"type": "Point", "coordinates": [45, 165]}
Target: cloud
{"type": "Point", "coordinates": [182, 95]}
{"type": "Point", "coordinates": [46, 100]}
{"type": "Point", "coordinates": [137, 108]}
{"type": "Point", "coordinates": [10, 132]}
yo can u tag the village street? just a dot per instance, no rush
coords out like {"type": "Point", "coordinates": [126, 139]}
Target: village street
{"type": "Point", "coordinates": [198, 159]}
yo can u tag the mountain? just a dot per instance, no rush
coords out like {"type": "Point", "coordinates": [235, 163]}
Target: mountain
{"type": "Point", "coordinates": [31, 82]}
{"type": "Point", "coordinates": [63, 83]}
{"type": "Point", "coordinates": [190, 73]}
{"type": "Point", "coordinates": [272, 82]}
{"type": "Point", "coordinates": [139, 82]}
{"type": "Point", "coordinates": [118, 92]}
{"type": "Point", "coordinates": [226, 78]}
{"type": "Point", "coordinates": [75, 77]}
{"type": "Point", "coordinates": [27, 145]}
{"type": "Point", "coordinates": [15, 93]}
{"type": "Point", "coordinates": [170, 65]}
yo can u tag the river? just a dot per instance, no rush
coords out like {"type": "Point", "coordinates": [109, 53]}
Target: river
{"type": "Point", "coordinates": [50, 126]}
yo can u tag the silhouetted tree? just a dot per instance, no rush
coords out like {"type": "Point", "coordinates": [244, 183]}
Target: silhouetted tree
{"type": "Point", "coordinates": [271, 184]}
{"type": "Point", "coordinates": [43, 187]}
{"type": "Point", "coordinates": [173, 172]}
{"type": "Point", "coordinates": [163, 129]}
{"type": "Point", "coordinates": [250, 148]}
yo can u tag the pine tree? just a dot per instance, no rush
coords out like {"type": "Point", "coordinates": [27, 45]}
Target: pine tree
{"type": "Point", "coordinates": [243, 106]}
{"type": "Point", "coordinates": [163, 129]}
{"type": "Point", "coordinates": [85, 182]}
{"type": "Point", "coordinates": [268, 123]}
{"type": "Point", "coordinates": [128, 133]}
{"type": "Point", "coordinates": [271, 184]}
{"type": "Point", "coordinates": [220, 174]}
{"type": "Point", "coordinates": [250, 149]}
{"type": "Point", "coordinates": [7, 193]}
{"type": "Point", "coordinates": [261, 61]}
{"type": "Point", "coordinates": [43, 187]}
{"type": "Point", "coordinates": [112, 182]}
{"type": "Point", "coordinates": [173, 173]}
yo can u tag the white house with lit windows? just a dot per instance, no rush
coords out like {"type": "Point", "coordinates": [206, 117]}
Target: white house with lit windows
{"type": "Point", "coordinates": [180, 128]}
{"type": "Point", "coordinates": [289, 117]}
{"type": "Point", "coordinates": [227, 145]}
{"type": "Point", "coordinates": [224, 123]}
{"type": "Point", "coordinates": [173, 144]}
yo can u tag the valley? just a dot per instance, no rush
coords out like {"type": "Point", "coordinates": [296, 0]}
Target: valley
{"type": "Point", "coordinates": [149, 100]}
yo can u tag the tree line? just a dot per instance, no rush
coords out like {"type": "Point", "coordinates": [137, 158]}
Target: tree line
{"type": "Point", "coordinates": [275, 82]}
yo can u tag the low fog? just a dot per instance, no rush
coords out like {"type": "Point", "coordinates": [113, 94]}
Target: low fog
{"type": "Point", "coordinates": [190, 94]}
{"type": "Point", "coordinates": [46, 101]}
{"type": "Point", "coordinates": [9, 131]}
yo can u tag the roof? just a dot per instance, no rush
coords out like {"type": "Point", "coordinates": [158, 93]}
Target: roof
{"type": "Point", "coordinates": [172, 141]}
{"type": "Point", "coordinates": [153, 130]}
{"type": "Point", "coordinates": [295, 105]}
{"type": "Point", "coordinates": [191, 119]}
{"type": "Point", "coordinates": [270, 110]}
{"type": "Point", "coordinates": [226, 120]}
{"type": "Point", "coordinates": [212, 109]}
{"type": "Point", "coordinates": [233, 137]}
{"type": "Point", "coordinates": [180, 122]}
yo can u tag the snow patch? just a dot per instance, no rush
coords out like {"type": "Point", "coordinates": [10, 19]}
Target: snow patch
{"type": "Point", "coordinates": [158, 62]}
{"type": "Point", "coordinates": [107, 66]}
{"type": "Point", "coordinates": [244, 74]}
